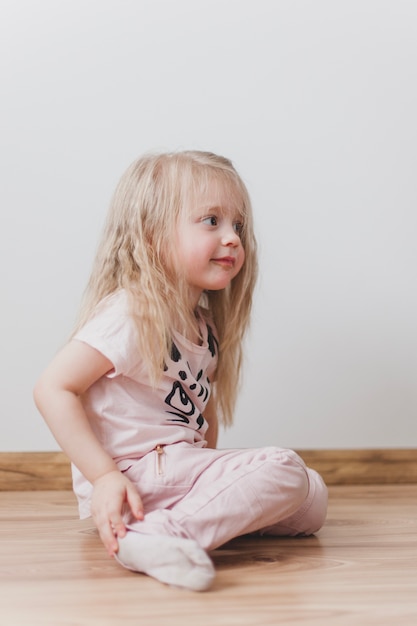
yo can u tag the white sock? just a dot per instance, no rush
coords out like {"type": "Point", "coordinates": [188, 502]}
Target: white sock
{"type": "Point", "coordinates": [171, 560]}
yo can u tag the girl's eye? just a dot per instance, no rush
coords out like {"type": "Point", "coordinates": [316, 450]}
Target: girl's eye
{"type": "Point", "coordinates": [211, 220]}
{"type": "Point", "coordinates": [238, 226]}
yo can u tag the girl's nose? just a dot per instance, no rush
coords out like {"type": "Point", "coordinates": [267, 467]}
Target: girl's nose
{"type": "Point", "coordinates": [231, 237]}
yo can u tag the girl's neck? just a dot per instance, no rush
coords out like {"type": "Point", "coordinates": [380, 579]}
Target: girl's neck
{"type": "Point", "coordinates": [189, 326]}
{"type": "Point", "coordinates": [191, 331]}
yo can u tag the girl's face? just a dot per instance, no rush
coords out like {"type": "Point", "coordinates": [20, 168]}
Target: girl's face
{"type": "Point", "coordinates": [209, 251]}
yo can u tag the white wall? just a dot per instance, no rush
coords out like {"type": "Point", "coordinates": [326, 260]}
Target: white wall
{"type": "Point", "coordinates": [315, 102]}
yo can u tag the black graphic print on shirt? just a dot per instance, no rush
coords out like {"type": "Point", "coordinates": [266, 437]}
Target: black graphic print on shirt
{"type": "Point", "coordinates": [181, 405]}
{"type": "Point", "coordinates": [213, 344]}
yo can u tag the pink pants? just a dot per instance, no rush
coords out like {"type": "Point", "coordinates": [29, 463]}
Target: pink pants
{"type": "Point", "coordinates": [212, 496]}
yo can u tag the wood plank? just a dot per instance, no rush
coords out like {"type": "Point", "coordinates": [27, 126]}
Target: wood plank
{"type": "Point", "coordinates": [359, 570]}
{"type": "Point", "coordinates": [364, 467]}
{"type": "Point", "coordinates": [36, 471]}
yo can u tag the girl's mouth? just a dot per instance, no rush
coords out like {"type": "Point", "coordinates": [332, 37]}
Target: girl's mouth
{"type": "Point", "coordinates": [225, 261]}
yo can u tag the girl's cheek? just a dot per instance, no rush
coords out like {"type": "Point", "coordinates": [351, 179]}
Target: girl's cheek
{"type": "Point", "coordinates": [242, 261]}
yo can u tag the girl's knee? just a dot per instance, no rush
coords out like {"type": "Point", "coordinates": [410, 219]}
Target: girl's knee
{"type": "Point", "coordinates": [310, 491]}
{"type": "Point", "coordinates": [294, 475]}
{"type": "Point", "coordinates": [317, 511]}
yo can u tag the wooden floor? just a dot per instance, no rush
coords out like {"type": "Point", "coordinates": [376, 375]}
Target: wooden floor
{"type": "Point", "coordinates": [361, 569]}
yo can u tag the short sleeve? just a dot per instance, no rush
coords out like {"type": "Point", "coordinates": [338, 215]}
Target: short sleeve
{"type": "Point", "coordinates": [111, 331]}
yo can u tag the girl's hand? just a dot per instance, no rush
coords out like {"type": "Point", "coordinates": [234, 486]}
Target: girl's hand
{"type": "Point", "coordinates": [110, 492]}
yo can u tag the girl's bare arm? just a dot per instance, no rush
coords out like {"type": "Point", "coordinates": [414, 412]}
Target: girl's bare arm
{"type": "Point", "coordinates": [57, 395]}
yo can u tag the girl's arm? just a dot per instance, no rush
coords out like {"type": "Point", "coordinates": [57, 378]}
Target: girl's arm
{"type": "Point", "coordinates": [210, 415]}
{"type": "Point", "coordinates": [57, 395]}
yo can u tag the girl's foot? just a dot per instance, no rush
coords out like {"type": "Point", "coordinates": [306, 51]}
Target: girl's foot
{"type": "Point", "coordinates": [171, 560]}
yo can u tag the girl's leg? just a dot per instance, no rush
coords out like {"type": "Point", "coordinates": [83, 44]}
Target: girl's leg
{"type": "Point", "coordinates": [310, 516]}
{"type": "Point", "coordinates": [211, 496]}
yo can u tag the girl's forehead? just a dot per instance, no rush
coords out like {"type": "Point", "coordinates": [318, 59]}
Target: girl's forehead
{"type": "Point", "coordinates": [219, 195]}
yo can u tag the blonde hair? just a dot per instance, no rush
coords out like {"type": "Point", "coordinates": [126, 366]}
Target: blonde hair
{"type": "Point", "coordinates": [136, 252]}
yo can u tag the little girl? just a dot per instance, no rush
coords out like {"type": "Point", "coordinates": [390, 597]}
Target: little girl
{"type": "Point", "coordinates": [135, 397]}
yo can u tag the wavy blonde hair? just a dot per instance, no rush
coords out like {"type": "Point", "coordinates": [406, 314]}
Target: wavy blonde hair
{"type": "Point", "coordinates": [136, 254]}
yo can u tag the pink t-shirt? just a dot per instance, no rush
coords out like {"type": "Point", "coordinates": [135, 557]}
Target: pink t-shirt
{"type": "Point", "coordinates": [129, 416]}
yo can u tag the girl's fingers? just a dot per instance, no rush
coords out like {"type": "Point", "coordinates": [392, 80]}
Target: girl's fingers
{"type": "Point", "coordinates": [111, 492]}
{"type": "Point", "coordinates": [135, 503]}
{"type": "Point", "coordinates": [107, 536]}
{"type": "Point", "coordinates": [119, 529]}
{"type": "Point", "coordinates": [110, 527]}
